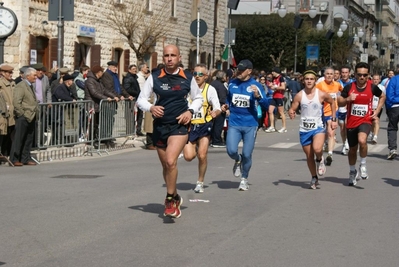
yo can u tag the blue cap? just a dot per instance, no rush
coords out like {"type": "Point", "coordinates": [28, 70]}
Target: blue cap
{"type": "Point", "coordinates": [244, 64]}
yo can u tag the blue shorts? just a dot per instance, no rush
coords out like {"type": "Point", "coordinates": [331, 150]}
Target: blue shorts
{"type": "Point", "coordinates": [327, 118]}
{"type": "Point", "coordinates": [341, 116]}
{"type": "Point", "coordinates": [199, 130]}
{"type": "Point", "coordinates": [306, 138]}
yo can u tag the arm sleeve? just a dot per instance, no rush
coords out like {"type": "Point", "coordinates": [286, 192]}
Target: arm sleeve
{"type": "Point", "coordinates": [345, 91]}
{"type": "Point", "coordinates": [146, 91]}
{"type": "Point", "coordinates": [17, 101]}
{"type": "Point", "coordinates": [376, 91]}
{"type": "Point", "coordinates": [213, 98]}
{"type": "Point", "coordinates": [196, 96]}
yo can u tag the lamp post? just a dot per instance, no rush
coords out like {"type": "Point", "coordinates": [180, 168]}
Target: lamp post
{"type": "Point", "coordinates": [282, 11]}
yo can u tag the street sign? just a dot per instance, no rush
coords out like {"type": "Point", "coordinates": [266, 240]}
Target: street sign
{"type": "Point", "coordinates": [202, 30]}
{"type": "Point", "coordinates": [230, 36]}
{"type": "Point", "coordinates": [364, 58]}
{"type": "Point", "coordinates": [67, 10]}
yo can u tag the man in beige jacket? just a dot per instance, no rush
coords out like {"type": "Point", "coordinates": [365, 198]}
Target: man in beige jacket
{"type": "Point", "coordinates": [26, 110]}
{"type": "Point", "coordinates": [6, 90]}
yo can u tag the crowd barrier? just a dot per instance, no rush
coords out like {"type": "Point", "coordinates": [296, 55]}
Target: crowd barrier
{"type": "Point", "coordinates": [72, 123]}
{"type": "Point", "coordinates": [64, 124]}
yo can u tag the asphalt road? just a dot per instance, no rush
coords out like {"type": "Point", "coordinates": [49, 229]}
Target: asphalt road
{"type": "Point", "coordinates": [107, 211]}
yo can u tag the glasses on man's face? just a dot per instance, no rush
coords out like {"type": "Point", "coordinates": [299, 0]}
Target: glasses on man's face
{"type": "Point", "coordinates": [199, 74]}
{"type": "Point", "coordinates": [362, 74]}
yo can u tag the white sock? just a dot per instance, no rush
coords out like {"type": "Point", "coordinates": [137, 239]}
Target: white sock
{"type": "Point", "coordinates": [352, 168]}
{"type": "Point", "coordinates": [362, 161]}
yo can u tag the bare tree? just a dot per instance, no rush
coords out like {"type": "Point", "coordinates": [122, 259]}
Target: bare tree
{"type": "Point", "coordinates": [140, 27]}
{"type": "Point", "coordinates": [278, 60]}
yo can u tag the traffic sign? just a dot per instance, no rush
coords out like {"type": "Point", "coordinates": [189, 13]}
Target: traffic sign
{"type": "Point", "coordinates": [202, 29]}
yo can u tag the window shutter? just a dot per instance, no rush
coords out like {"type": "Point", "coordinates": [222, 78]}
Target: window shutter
{"type": "Point", "coordinates": [126, 54]}
{"type": "Point", "coordinates": [53, 51]}
{"type": "Point", "coordinates": [77, 59]}
{"type": "Point", "coordinates": [95, 58]}
{"type": "Point", "coordinates": [154, 60]}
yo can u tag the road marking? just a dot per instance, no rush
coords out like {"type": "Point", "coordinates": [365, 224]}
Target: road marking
{"type": "Point", "coordinates": [284, 145]}
{"type": "Point", "coordinates": [376, 148]}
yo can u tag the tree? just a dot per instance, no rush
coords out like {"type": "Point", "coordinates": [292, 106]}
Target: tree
{"type": "Point", "coordinates": [140, 27]}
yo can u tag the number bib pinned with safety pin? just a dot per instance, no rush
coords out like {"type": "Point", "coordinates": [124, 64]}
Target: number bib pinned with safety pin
{"type": "Point", "coordinates": [241, 101]}
{"type": "Point", "coordinates": [308, 123]}
{"type": "Point", "coordinates": [359, 110]}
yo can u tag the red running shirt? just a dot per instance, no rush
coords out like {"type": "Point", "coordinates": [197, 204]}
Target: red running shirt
{"type": "Point", "coordinates": [360, 110]}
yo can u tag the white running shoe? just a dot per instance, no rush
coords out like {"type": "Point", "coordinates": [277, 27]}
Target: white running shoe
{"type": "Point", "coordinates": [370, 136]}
{"type": "Point", "coordinates": [374, 141]}
{"type": "Point", "coordinates": [282, 130]}
{"type": "Point", "coordinates": [199, 188]}
{"type": "Point", "coordinates": [237, 167]}
{"type": "Point", "coordinates": [243, 185]}
{"type": "Point", "coordinates": [344, 151]}
{"type": "Point", "coordinates": [363, 172]}
{"type": "Point", "coordinates": [270, 130]}
{"type": "Point", "coordinates": [352, 177]}
{"type": "Point", "coordinates": [321, 167]}
{"type": "Point", "coordinates": [314, 183]}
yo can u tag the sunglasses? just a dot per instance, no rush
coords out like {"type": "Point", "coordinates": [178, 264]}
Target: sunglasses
{"type": "Point", "coordinates": [199, 74]}
{"type": "Point", "coordinates": [362, 74]}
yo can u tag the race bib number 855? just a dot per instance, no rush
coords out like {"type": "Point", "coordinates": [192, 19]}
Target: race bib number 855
{"type": "Point", "coordinates": [359, 110]}
{"type": "Point", "coordinates": [240, 101]}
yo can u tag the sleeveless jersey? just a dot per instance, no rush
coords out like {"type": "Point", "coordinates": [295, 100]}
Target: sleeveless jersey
{"type": "Point", "coordinates": [203, 115]}
{"type": "Point", "coordinates": [311, 113]}
{"type": "Point", "coordinates": [360, 110]}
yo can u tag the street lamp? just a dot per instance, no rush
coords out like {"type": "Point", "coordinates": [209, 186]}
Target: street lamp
{"type": "Point", "coordinates": [373, 38]}
{"type": "Point", "coordinates": [340, 32]}
{"type": "Point", "coordinates": [344, 26]}
{"type": "Point", "coordinates": [282, 11]}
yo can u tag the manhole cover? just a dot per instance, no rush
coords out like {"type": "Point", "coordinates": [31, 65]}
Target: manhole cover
{"type": "Point", "coordinates": [77, 176]}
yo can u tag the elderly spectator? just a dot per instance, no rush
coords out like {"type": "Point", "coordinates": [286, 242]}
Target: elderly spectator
{"type": "Point", "coordinates": [8, 122]}
{"type": "Point", "coordinates": [96, 92]}
{"type": "Point", "coordinates": [141, 77]}
{"type": "Point", "coordinates": [25, 109]}
{"type": "Point", "coordinates": [80, 82]}
{"type": "Point", "coordinates": [21, 72]}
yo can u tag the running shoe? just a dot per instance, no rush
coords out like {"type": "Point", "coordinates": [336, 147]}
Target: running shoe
{"type": "Point", "coordinates": [392, 154]}
{"type": "Point", "coordinates": [243, 185]}
{"type": "Point", "coordinates": [344, 151]}
{"type": "Point", "coordinates": [219, 145]}
{"type": "Point", "coordinates": [270, 130]}
{"type": "Point", "coordinates": [370, 137]}
{"type": "Point", "coordinates": [352, 177]}
{"type": "Point", "coordinates": [329, 159]}
{"type": "Point", "coordinates": [314, 183]}
{"type": "Point", "coordinates": [363, 172]}
{"type": "Point", "coordinates": [237, 167]}
{"type": "Point", "coordinates": [199, 188]}
{"type": "Point", "coordinates": [178, 204]}
{"type": "Point", "coordinates": [374, 141]}
{"type": "Point", "coordinates": [321, 167]}
{"type": "Point", "coordinates": [170, 208]}
{"type": "Point", "coordinates": [282, 130]}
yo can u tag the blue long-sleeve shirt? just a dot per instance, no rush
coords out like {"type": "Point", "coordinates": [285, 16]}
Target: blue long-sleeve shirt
{"type": "Point", "coordinates": [241, 102]}
{"type": "Point", "coordinates": [392, 92]}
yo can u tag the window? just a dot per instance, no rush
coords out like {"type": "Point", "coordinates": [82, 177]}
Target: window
{"type": "Point", "coordinates": [305, 5]}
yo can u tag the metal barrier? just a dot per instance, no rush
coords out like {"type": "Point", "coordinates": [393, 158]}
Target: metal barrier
{"type": "Point", "coordinates": [114, 120]}
{"type": "Point", "coordinates": [64, 124]}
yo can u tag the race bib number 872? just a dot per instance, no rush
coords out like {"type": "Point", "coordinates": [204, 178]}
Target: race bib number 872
{"type": "Point", "coordinates": [240, 101]}
{"type": "Point", "coordinates": [359, 110]}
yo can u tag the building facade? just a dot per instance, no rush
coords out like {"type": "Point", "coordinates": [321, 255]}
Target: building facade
{"type": "Point", "coordinates": [89, 40]}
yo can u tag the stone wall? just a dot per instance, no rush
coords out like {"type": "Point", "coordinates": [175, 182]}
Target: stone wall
{"type": "Point", "coordinates": [94, 15]}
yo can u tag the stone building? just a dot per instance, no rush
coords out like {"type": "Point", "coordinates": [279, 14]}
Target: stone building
{"type": "Point", "coordinates": [89, 40]}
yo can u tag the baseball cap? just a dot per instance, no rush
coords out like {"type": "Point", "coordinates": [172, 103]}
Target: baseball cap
{"type": "Point", "coordinates": [244, 64]}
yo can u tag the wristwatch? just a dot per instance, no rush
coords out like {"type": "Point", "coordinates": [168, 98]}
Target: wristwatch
{"type": "Point", "coordinates": [334, 119]}
{"type": "Point", "coordinates": [191, 110]}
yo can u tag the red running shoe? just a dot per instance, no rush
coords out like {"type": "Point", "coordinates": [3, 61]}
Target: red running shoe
{"type": "Point", "coordinates": [178, 204]}
{"type": "Point", "coordinates": [170, 208]}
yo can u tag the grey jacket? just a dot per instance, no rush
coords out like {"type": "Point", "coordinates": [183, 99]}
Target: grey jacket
{"type": "Point", "coordinates": [46, 92]}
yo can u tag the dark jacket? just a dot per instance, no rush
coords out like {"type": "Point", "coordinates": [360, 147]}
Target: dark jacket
{"type": "Point", "coordinates": [72, 89]}
{"type": "Point", "coordinates": [131, 85]}
{"type": "Point", "coordinates": [95, 91]}
{"type": "Point", "coordinates": [221, 90]}
{"type": "Point", "coordinates": [62, 93]}
{"type": "Point", "coordinates": [107, 80]}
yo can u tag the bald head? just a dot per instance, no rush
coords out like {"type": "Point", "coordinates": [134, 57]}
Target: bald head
{"type": "Point", "coordinates": [171, 58]}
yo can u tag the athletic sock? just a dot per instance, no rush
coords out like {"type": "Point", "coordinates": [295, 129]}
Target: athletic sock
{"type": "Point", "coordinates": [362, 161]}
{"type": "Point", "coordinates": [169, 197]}
{"type": "Point", "coordinates": [177, 197]}
{"type": "Point", "coordinates": [352, 168]}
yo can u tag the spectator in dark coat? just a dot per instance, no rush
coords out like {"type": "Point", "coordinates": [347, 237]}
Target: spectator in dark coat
{"type": "Point", "coordinates": [218, 122]}
{"type": "Point", "coordinates": [96, 92]}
